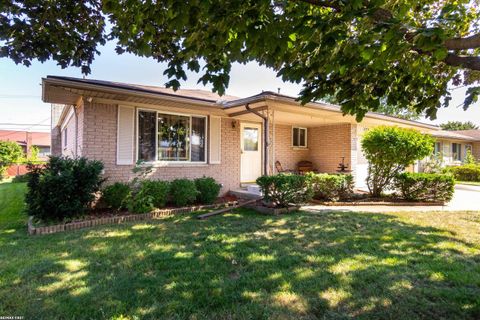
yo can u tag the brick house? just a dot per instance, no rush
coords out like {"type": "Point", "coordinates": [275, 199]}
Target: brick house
{"type": "Point", "coordinates": [192, 133]}
{"type": "Point", "coordinates": [26, 140]}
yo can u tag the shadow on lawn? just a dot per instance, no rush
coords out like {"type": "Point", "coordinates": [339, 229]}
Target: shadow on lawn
{"type": "Point", "coordinates": [305, 265]}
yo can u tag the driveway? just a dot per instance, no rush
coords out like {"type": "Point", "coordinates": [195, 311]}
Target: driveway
{"type": "Point", "coordinates": [466, 198]}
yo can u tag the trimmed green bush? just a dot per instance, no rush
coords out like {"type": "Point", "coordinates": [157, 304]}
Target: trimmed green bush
{"type": "Point", "coordinates": [467, 172]}
{"type": "Point", "coordinates": [158, 190]}
{"type": "Point", "coordinates": [208, 190]}
{"type": "Point", "coordinates": [148, 195]}
{"type": "Point", "coordinates": [139, 202]}
{"type": "Point", "coordinates": [63, 188]}
{"type": "Point", "coordinates": [389, 151]}
{"type": "Point", "coordinates": [331, 187]}
{"type": "Point", "coordinates": [282, 190]}
{"type": "Point", "coordinates": [425, 186]}
{"type": "Point", "coordinates": [115, 195]}
{"type": "Point", "coordinates": [183, 192]}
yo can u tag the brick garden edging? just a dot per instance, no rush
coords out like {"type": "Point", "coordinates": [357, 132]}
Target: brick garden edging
{"type": "Point", "coordinates": [376, 203]}
{"type": "Point", "coordinates": [33, 230]}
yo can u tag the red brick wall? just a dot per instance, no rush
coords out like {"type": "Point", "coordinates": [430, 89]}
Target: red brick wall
{"type": "Point", "coordinates": [328, 144]}
{"type": "Point", "coordinates": [284, 152]}
{"type": "Point", "coordinates": [99, 142]}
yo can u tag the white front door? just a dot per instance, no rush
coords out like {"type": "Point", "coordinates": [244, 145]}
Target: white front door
{"type": "Point", "coordinates": [251, 148]}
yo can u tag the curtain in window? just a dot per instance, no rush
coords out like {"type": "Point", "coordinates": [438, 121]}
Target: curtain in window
{"type": "Point", "coordinates": [146, 135]}
{"type": "Point", "coordinates": [198, 139]}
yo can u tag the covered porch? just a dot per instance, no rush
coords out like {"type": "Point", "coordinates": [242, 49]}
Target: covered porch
{"type": "Point", "coordinates": [279, 135]}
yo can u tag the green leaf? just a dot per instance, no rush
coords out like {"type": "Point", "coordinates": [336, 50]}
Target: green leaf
{"type": "Point", "coordinates": [440, 54]}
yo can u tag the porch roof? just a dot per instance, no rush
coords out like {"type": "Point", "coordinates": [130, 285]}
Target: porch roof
{"type": "Point", "coordinates": [329, 113]}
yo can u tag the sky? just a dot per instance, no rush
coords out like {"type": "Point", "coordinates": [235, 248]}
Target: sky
{"type": "Point", "coordinates": [20, 86]}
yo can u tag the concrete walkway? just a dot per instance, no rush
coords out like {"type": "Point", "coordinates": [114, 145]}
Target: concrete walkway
{"type": "Point", "coordinates": [466, 198]}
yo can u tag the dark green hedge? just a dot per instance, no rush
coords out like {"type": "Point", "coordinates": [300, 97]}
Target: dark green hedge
{"type": "Point", "coordinates": [63, 187]}
{"type": "Point", "coordinates": [331, 187]}
{"type": "Point", "coordinates": [283, 190]}
{"type": "Point", "coordinates": [466, 172]}
{"type": "Point", "coordinates": [425, 186]}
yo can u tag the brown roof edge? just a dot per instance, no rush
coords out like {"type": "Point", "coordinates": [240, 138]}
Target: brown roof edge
{"type": "Point", "coordinates": [472, 133]}
{"type": "Point", "coordinates": [101, 84]}
{"type": "Point", "coordinates": [266, 95]}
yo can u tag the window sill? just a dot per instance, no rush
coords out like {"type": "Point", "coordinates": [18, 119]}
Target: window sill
{"type": "Point", "coordinates": [160, 164]}
{"type": "Point", "coordinates": [299, 148]}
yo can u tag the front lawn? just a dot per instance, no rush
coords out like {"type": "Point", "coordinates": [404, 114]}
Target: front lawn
{"type": "Point", "coordinates": [472, 183]}
{"type": "Point", "coordinates": [244, 266]}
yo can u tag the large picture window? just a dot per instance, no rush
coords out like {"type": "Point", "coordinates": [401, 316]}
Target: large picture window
{"type": "Point", "coordinates": [171, 137]}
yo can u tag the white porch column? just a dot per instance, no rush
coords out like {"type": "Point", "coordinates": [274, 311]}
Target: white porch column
{"type": "Point", "coordinates": [354, 146]}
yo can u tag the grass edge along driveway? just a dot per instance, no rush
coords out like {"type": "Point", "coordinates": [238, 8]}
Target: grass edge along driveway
{"type": "Point", "coordinates": [244, 265]}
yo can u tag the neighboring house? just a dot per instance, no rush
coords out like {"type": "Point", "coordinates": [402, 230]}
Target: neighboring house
{"type": "Point", "coordinates": [475, 135]}
{"type": "Point", "coordinates": [27, 140]}
{"type": "Point", "coordinates": [192, 133]}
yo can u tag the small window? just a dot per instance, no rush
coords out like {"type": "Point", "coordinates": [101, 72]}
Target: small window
{"type": "Point", "coordinates": [457, 151]}
{"type": "Point", "coordinates": [299, 137]}
{"type": "Point", "coordinates": [250, 139]}
{"type": "Point", "coordinates": [438, 148]}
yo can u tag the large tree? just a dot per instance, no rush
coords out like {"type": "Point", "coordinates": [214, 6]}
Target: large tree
{"type": "Point", "coordinates": [458, 125]}
{"type": "Point", "coordinates": [405, 52]}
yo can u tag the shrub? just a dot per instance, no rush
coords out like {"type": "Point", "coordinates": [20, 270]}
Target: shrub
{"type": "Point", "coordinates": [389, 150]}
{"type": "Point", "coordinates": [469, 158]}
{"type": "Point", "coordinates": [147, 195]}
{"type": "Point", "coordinates": [282, 190]}
{"type": "Point", "coordinates": [208, 190]}
{"type": "Point", "coordinates": [158, 190]}
{"type": "Point", "coordinates": [63, 187]}
{"type": "Point", "coordinates": [425, 186]}
{"type": "Point", "coordinates": [139, 202]}
{"type": "Point", "coordinates": [20, 178]}
{"type": "Point", "coordinates": [183, 192]}
{"type": "Point", "coordinates": [115, 195]}
{"type": "Point", "coordinates": [467, 172]}
{"type": "Point", "coordinates": [330, 186]}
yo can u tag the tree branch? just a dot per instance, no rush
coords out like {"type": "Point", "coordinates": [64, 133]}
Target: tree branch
{"type": "Point", "coordinates": [472, 63]}
{"type": "Point", "coordinates": [463, 43]}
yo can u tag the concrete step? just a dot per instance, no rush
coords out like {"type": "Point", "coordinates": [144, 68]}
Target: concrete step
{"type": "Point", "coordinates": [245, 194]}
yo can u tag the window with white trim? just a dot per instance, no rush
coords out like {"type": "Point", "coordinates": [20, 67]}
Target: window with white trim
{"type": "Point", "coordinates": [438, 148]}
{"type": "Point", "coordinates": [299, 137]}
{"type": "Point", "coordinates": [457, 151]}
{"type": "Point", "coordinates": [171, 137]}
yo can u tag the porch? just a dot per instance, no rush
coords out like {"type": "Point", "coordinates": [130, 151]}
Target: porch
{"type": "Point", "coordinates": [277, 137]}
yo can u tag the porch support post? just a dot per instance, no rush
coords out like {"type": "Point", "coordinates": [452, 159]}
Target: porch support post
{"type": "Point", "coordinates": [266, 139]}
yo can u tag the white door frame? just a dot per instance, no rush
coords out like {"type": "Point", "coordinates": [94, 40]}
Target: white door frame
{"type": "Point", "coordinates": [258, 125]}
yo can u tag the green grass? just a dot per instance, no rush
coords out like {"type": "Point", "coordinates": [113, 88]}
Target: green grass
{"type": "Point", "coordinates": [329, 265]}
{"type": "Point", "coordinates": [472, 183]}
